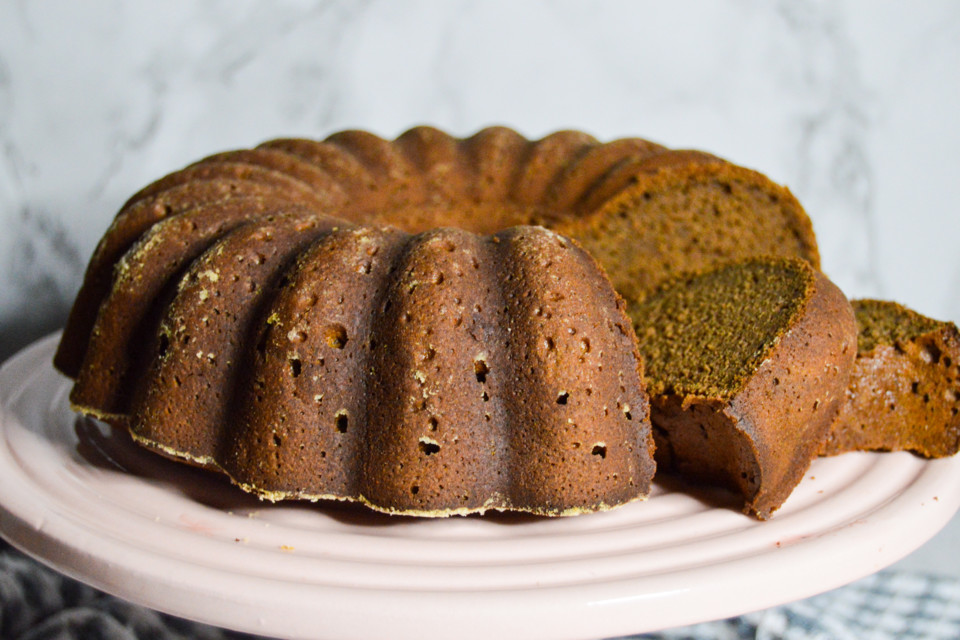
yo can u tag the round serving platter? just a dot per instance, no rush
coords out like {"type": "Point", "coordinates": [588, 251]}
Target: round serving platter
{"type": "Point", "coordinates": [86, 500]}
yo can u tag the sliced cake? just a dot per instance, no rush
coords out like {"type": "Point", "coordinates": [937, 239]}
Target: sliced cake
{"type": "Point", "coordinates": [904, 392]}
{"type": "Point", "coordinates": [681, 211]}
{"type": "Point", "coordinates": [746, 366]}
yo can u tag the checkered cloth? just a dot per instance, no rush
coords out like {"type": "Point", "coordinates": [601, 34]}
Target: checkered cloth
{"type": "Point", "coordinates": [39, 604]}
{"type": "Point", "coordinates": [885, 606]}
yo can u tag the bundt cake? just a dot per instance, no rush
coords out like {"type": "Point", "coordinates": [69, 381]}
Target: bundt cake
{"type": "Point", "coordinates": [644, 211]}
{"type": "Point", "coordinates": [190, 314]}
{"type": "Point", "coordinates": [745, 366]}
{"type": "Point", "coordinates": [904, 390]}
{"type": "Point", "coordinates": [430, 374]}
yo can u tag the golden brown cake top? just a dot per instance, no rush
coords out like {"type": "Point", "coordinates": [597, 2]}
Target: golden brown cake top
{"type": "Point", "coordinates": [623, 201]}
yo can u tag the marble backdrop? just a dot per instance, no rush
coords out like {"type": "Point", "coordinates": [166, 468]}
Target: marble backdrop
{"type": "Point", "coordinates": [852, 104]}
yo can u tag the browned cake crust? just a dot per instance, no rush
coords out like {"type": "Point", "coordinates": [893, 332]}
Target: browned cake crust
{"type": "Point", "coordinates": [133, 221]}
{"type": "Point", "coordinates": [903, 394]}
{"type": "Point", "coordinates": [157, 286]}
{"type": "Point", "coordinates": [433, 374]}
{"type": "Point", "coordinates": [757, 429]}
{"type": "Point", "coordinates": [644, 211]}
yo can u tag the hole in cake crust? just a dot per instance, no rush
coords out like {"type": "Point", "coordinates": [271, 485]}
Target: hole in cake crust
{"type": "Point", "coordinates": [428, 447]}
{"type": "Point", "coordinates": [336, 336]}
{"type": "Point", "coordinates": [599, 449]}
{"type": "Point", "coordinates": [481, 370]}
{"type": "Point", "coordinates": [415, 489]}
{"type": "Point", "coordinates": [931, 353]}
{"type": "Point", "coordinates": [296, 367]}
{"type": "Point", "coordinates": [163, 343]}
{"type": "Point", "coordinates": [563, 397]}
{"type": "Point", "coordinates": [341, 421]}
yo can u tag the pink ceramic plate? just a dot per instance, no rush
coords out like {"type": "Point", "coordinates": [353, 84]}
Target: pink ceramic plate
{"type": "Point", "coordinates": [93, 505]}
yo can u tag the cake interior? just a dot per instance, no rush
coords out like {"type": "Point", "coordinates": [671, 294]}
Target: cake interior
{"type": "Point", "coordinates": [880, 322]}
{"type": "Point", "coordinates": [704, 335]}
{"type": "Point", "coordinates": [669, 238]}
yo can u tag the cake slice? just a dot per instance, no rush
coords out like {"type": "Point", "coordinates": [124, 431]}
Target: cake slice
{"type": "Point", "coordinates": [746, 366]}
{"type": "Point", "coordinates": [655, 217]}
{"type": "Point", "coordinates": [904, 393]}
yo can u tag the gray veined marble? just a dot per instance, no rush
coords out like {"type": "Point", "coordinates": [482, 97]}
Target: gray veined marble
{"type": "Point", "coordinates": [848, 103]}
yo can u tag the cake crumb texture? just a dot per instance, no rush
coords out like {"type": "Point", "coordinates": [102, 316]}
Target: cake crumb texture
{"type": "Point", "coordinates": [904, 394]}
{"type": "Point", "coordinates": [746, 368]}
